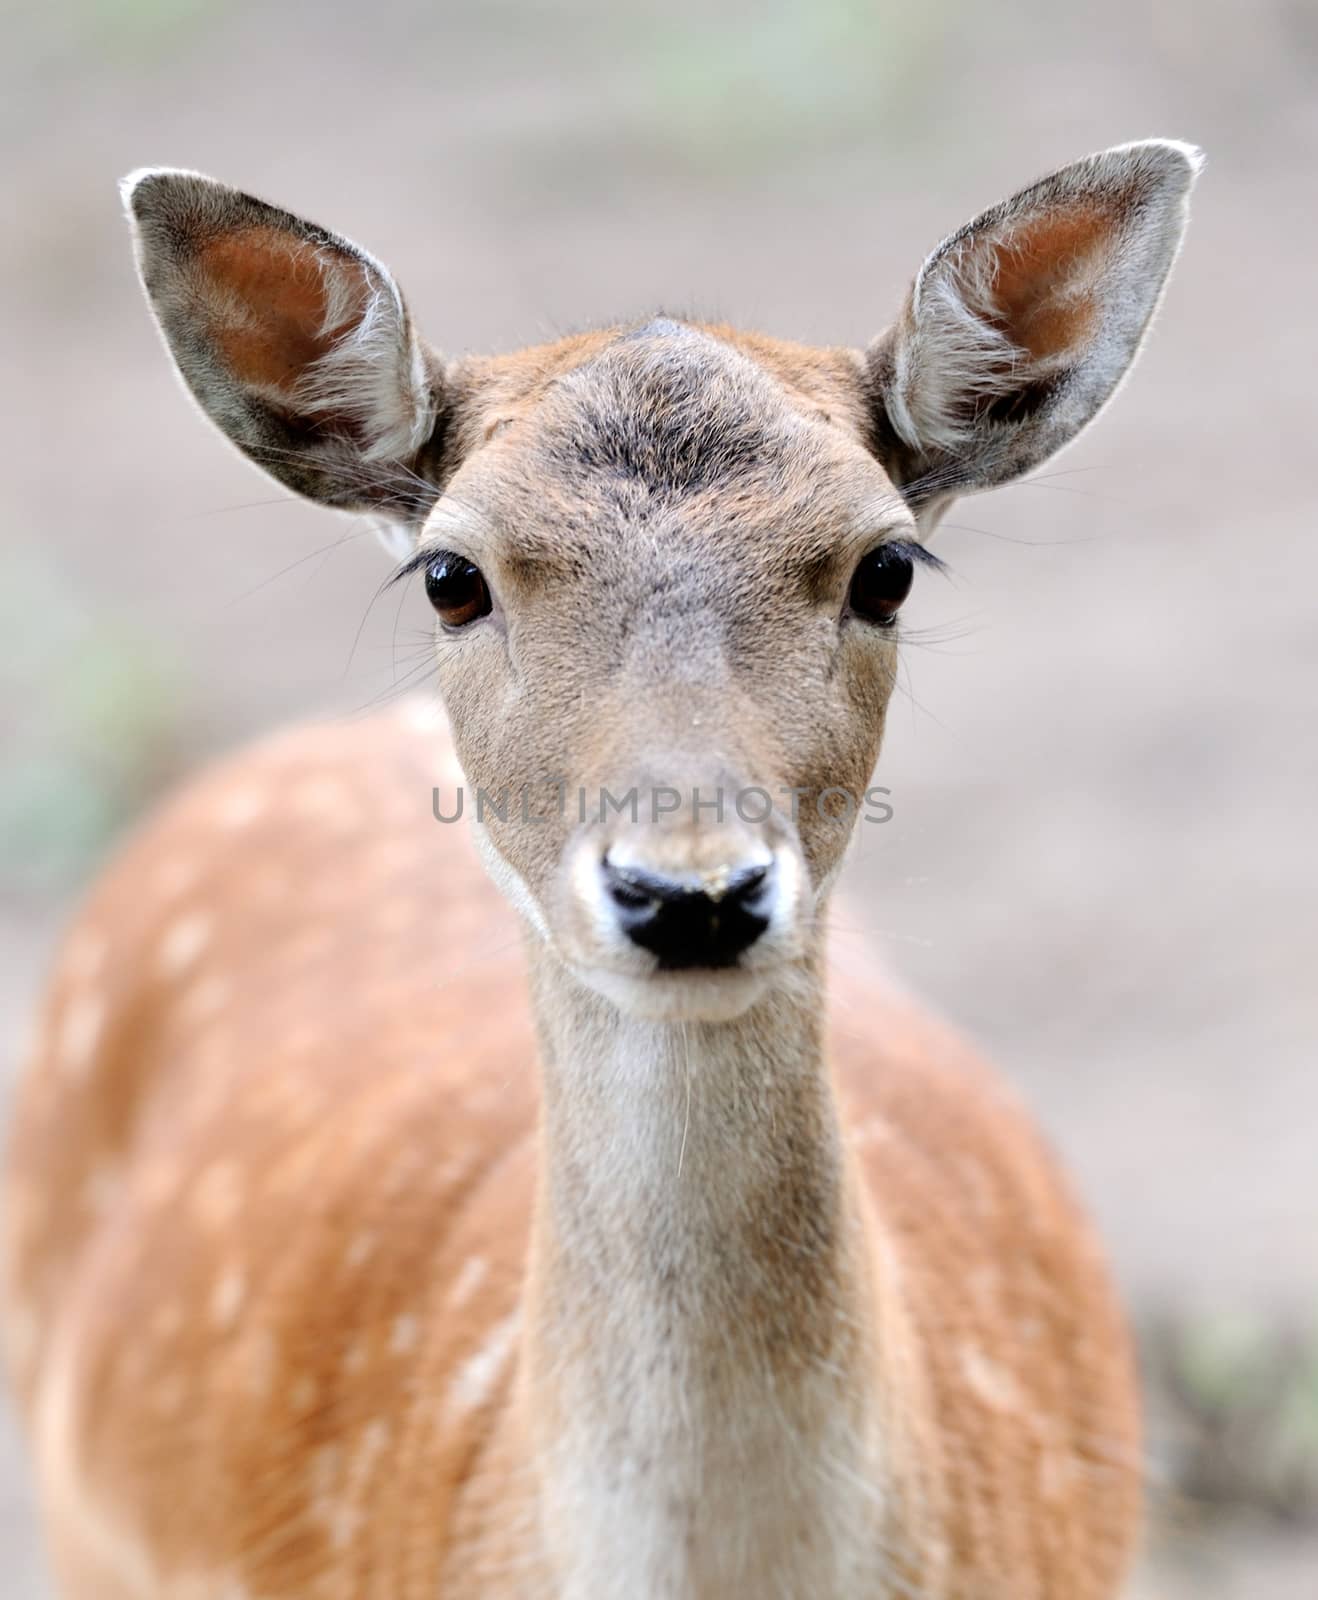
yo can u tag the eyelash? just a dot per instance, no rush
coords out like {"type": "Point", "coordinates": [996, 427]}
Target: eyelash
{"type": "Point", "coordinates": [918, 554]}
{"type": "Point", "coordinates": [416, 562]}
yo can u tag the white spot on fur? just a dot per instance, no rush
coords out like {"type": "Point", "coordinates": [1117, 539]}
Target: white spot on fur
{"type": "Point", "coordinates": [473, 1274]}
{"type": "Point", "coordinates": [988, 1381]}
{"type": "Point", "coordinates": [325, 1473]}
{"type": "Point", "coordinates": [182, 942]}
{"type": "Point", "coordinates": [404, 1335]}
{"type": "Point", "coordinates": [240, 807]}
{"type": "Point", "coordinates": [474, 1381]}
{"type": "Point", "coordinates": [339, 1488]}
{"type": "Point", "coordinates": [80, 1031]}
{"type": "Point", "coordinates": [227, 1298]}
{"type": "Point", "coordinates": [361, 1248]}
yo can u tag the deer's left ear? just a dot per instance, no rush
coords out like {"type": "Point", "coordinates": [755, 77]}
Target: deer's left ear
{"type": "Point", "coordinates": [1022, 324]}
{"type": "Point", "coordinates": [294, 341]}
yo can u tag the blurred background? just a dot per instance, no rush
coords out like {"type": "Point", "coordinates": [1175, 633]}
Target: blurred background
{"type": "Point", "coordinates": [1104, 756]}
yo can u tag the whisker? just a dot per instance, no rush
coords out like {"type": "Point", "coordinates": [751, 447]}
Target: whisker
{"type": "Point", "coordinates": [323, 551]}
{"type": "Point", "coordinates": [1029, 542]}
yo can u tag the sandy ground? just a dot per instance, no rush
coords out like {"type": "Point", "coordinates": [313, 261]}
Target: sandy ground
{"type": "Point", "coordinates": [1102, 861]}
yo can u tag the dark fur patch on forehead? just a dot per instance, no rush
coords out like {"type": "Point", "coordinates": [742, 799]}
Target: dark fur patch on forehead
{"type": "Point", "coordinates": [672, 408]}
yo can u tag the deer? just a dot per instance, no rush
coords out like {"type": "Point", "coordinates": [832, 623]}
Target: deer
{"type": "Point", "coordinates": [537, 1206]}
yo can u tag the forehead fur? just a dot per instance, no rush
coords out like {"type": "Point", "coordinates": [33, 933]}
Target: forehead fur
{"type": "Point", "coordinates": [675, 410]}
{"type": "Point", "coordinates": [668, 417]}
{"type": "Point", "coordinates": [833, 378]}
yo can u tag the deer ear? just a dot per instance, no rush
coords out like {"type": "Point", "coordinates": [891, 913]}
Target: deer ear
{"type": "Point", "coordinates": [1020, 326]}
{"type": "Point", "coordinates": [295, 342]}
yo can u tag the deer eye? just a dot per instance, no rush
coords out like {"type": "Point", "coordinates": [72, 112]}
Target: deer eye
{"type": "Point", "coordinates": [456, 589]}
{"type": "Point", "coordinates": [880, 583]}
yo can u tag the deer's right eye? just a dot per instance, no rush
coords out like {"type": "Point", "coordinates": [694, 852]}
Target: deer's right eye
{"type": "Point", "coordinates": [456, 589]}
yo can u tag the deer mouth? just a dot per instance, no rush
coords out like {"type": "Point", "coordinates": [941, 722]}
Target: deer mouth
{"type": "Point", "coordinates": [693, 994]}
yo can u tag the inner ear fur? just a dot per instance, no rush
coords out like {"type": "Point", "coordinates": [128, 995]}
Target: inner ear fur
{"type": "Point", "coordinates": [1021, 325]}
{"type": "Point", "coordinates": [294, 341]}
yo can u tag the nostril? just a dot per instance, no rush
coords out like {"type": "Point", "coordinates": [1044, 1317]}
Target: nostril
{"type": "Point", "coordinates": [690, 922]}
{"type": "Point", "coordinates": [748, 884]}
{"type": "Point", "coordinates": [625, 891]}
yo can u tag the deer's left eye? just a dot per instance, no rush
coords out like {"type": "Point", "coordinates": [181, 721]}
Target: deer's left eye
{"type": "Point", "coordinates": [880, 583]}
{"type": "Point", "coordinates": [456, 589]}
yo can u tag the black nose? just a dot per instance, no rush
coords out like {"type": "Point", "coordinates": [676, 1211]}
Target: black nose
{"type": "Point", "coordinates": [685, 923]}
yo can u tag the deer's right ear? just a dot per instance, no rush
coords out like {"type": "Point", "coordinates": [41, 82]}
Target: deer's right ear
{"type": "Point", "coordinates": [295, 342]}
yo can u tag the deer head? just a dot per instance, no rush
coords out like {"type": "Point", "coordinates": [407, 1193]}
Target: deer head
{"type": "Point", "coordinates": [668, 559]}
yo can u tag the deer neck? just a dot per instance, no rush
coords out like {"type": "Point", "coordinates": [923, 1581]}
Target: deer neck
{"type": "Point", "coordinates": [698, 1337]}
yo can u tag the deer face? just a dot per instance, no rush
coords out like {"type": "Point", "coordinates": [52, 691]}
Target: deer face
{"type": "Point", "coordinates": [667, 560]}
{"type": "Point", "coordinates": [667, 588]}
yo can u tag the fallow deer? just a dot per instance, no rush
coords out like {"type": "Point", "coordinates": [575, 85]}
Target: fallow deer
{"type": "Point", "coordinates": [338, 1266]}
